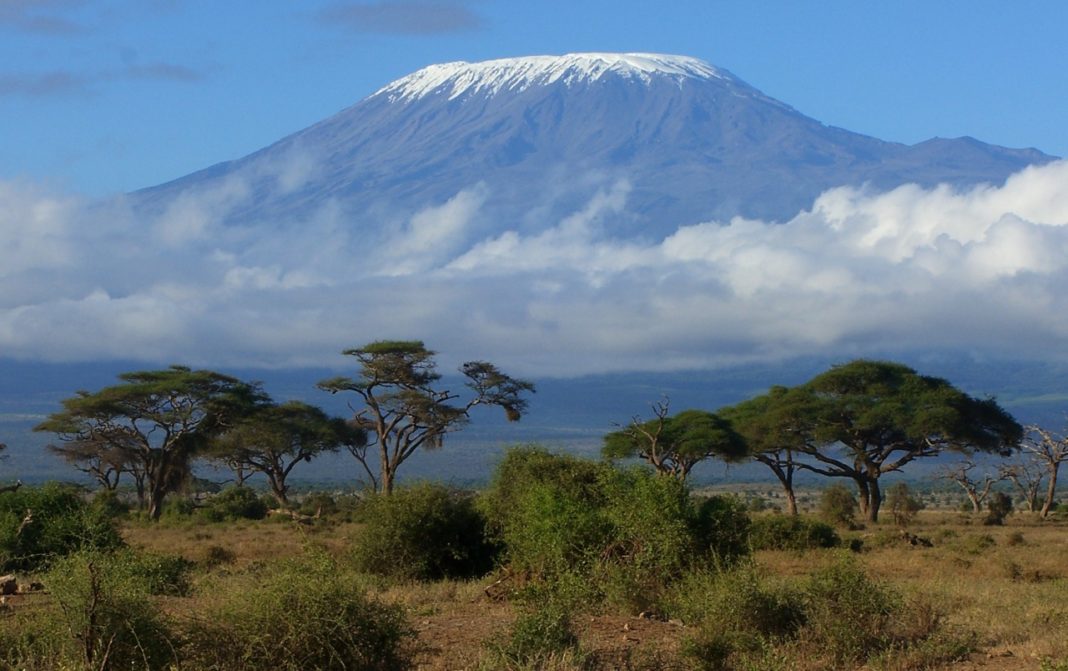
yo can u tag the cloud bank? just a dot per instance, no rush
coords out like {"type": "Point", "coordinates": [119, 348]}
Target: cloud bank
{"type": "Point", "coordinates": [981, 271]}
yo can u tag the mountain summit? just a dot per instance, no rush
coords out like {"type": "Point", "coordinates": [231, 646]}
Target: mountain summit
{"type": "Point", "coordinates": [530, 141]}
{"type": "Point", "coordinates": [512, 75]}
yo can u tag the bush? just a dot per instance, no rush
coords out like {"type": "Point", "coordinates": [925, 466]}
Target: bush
{"type": "Point", "coordinates": [998, 506]}
{"type": "Point", "coordinates": [903, 506]}
{"type": "Point", "coordinates": [623, 534]}
{"type": "Point", "coordinates": [837, 506]}
{"type": "Point", "coordinates": [848, 615]}
{"type": "Point", "coordinates": [537, 636]}
{"type": "Point", "coordinates": [107, 618]}
{"type": "Point", "coordinates": [37, 525]}
{"type": "Point", "coordinates": [234, 503]}
{"type": "Point", "coordinates": [424, 532]}
{"type": "Point", "coordinates": [160, 574]}
{"type": "Point", "coordinates": [295, 615]}
{"type": "Point", "coordinates": [787, 532]}
{"type": "Point", "coordinates": [724, 527]}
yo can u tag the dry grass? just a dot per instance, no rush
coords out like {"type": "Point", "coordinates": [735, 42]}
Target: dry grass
{"type": "Point", "coordinates": [1006, 586]}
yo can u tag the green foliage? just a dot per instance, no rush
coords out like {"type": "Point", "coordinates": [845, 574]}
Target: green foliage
{"type": "Point", "coordinates": [423, 532]}
{"type": "Point", "coordinates": [674, 445]}
{"type": "Point", "coordinates": [623, 534]}
{"type": "Point", "coordinates": [848, 615]}
{"type": "Point", "coordinates": [159, 574]}
{"type": "Point", "coordinates": [107, 619]}
{"type": "Point", "coordinates": [724, 526]}
{"type": "Point", "coordinates": [998, 507]}
{"type": "Point", "coordinates": [837, 505]}
{"type": "Point", "coordinates": [234, 503]}
{"type": "Point", "coordinates": [786, 532]}
{"type": "Point", "coordinates": [39, 524]}
{"type": "Point", "coordinates": [903, 506]}
{"type": "Point", "coordinates": [538, 635]}
{"type": "Point", "coordinates": [295, 615]}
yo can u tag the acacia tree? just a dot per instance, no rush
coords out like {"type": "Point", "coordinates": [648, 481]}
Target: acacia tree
{"type": "Point", "coordinates": [674, 445]}
{"type": "Point", "coordinates": [874, 417]}
{"type": "Point", "coordinates": [160, 420]}
{"type": "Point", "coordinates": [777, 427]}
{"type": "Point", "coordinates": [275, 438]}
{"type": "Point", "coordinates": [402, 411]}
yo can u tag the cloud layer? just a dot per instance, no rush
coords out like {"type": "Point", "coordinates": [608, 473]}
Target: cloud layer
{"type": "Point", "coordinates": [982, 271]}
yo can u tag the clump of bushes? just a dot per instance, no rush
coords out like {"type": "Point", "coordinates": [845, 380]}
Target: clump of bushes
{"type": "Point", "coordinates": [837, 506]}
{"type": "Point", "coordinates": [423, 532]}
{"type": "Point", "coordinates": [40, 524]}
{"type": "Point", "coordinates": [788, 532]}
{"type": "Point", "coordinates": [234, 503]}
{"type": "Point", "coordinates": [299, 614]}
{"type": "Point", "coordinates": [624, 535]}
{"type": "Point", "coordinates": [837, 618]}
{"type": "Point", "coordinates": [101, 617]}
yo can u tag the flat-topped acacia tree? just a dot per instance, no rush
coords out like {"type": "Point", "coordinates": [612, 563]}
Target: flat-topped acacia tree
{"type": "Point", "coordinates": [868, 418]}
{"type": "Point", "coordinates": [159, 420]}
{"type": "Point", "coordinates": [674, 444]}
{"type": "Point", "coordinates": [402, 411]}
{"type": "Point", "coordinates": [275, 438]}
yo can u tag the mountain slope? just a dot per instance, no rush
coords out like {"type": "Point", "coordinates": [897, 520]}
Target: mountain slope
{"type": "Point", "coordinates": [536, 137]}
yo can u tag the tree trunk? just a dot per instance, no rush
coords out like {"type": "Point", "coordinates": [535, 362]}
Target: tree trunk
{"type": "Point", "coordinates": [386, 481]}
{"type": "Point", "coordinates": [977, 506]}
{"type": "Point", "coordinates": [1051, 491]}
{"type": "Point", "coordinates": [791, 501]}
{"type": "Point", "coordinates": [155, 503]}
{"type": "Point", "coordinates": [875, 502]}
{"type": "Point", "coordinates": [863, 497]}
{"type": "Point", "coordinates": [279, 490]}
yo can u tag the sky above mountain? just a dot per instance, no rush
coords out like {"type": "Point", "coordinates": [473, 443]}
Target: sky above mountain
{"type": "Point", "coordinates": [101, 98]}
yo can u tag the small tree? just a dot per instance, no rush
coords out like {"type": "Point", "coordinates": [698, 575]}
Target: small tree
{"type": "Point", "coordinates": [159, 420]}
{"type": "Point", "coordinates": [777, 427]}
{"type": "Point", "coordinates": [1026, 477]}
{"type": "Point", "coordinates": [403, 411]}
{"type": "Point", "coordinates": [674, 445]}
{"type": "Point", "coordinates": [1048, 450]}
{"type": "Point", "coordinates": [837, 505]}
{"type": "Point", "coordinates": [903, 505]}
{"type": "Point", "coordinates": [275, 438]}
{"type": "Point", "coordinates": [974, 488]}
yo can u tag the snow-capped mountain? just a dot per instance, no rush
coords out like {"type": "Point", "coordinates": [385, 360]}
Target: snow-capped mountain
{"type": "Point", "coordinates": [535, 138]}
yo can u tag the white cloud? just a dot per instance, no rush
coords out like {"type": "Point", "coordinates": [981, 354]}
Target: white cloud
{"type": "Point", "coordinates": [860, 272]}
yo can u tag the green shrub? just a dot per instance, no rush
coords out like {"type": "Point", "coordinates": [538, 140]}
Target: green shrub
{"type": "Point", "coordinates": [234, 503]}
{"type": "Point", "coordinates": [160, 574]}
{"type": "Point", "coordinates": [902, 504]}
{"type": "Point", "coordinates": [106, 618]}
{"type": "Point", "coordinates": [837, 506]}
{"type": "Point", "coordinates": [424, 532]}
{"type": "Point", "coordinates": [788, 532]}
{"type": "Point", "coordinates": [624, 534]}
{"type": "Point", "coordinates": [848, 615]}
{"type": "Point", "coordinates": [998, 507]}
{"type": "Point", "coordinates": [537, 636]}
{"type": "Point", "coordinates": [295, 615]}
{"type": "Point", "coordinates": [39, 524]}
{"type": "Point", "coordinates": [724, 527]}
{"type": "Point", "coordinates": [178, 508]}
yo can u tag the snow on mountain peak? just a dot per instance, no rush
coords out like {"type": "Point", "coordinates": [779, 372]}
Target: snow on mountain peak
{"type": "Point", "coordinates": [517, 74]}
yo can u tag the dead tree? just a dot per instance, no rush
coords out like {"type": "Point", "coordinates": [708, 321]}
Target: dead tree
{"type": "Point", "coordinates": [1047, 450]}
{"type": "Point", "coordinates": [975, 489]}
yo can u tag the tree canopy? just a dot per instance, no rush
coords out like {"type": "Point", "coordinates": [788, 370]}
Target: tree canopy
{"type": "Point", "coordinates": [275, 438]}
{"type": "Point", "coordinates": [673, 445]}
{"type": "Point", "coordinates": [403, 411]}
{"type": "Point", "coordinates": [866, 418]}
{"type": "Point", "coordinates": [159, 421]}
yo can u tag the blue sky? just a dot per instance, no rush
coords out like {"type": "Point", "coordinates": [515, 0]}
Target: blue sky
{"type": "Point", "coordinates": [105, 96]}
